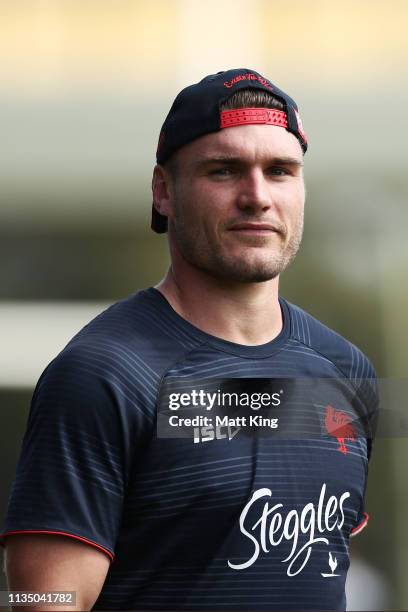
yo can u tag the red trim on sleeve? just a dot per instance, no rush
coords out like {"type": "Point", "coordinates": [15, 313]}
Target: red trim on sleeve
{"type": "Point", "coordinates": [360, 526]}
{"type": "Point", "coordinates": [63, 533]}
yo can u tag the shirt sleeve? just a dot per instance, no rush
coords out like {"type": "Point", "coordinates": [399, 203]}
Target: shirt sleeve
{"type": "Point", "coordinates": [368, 403]}
{"type": "Point", "coordinates": [72, 469]}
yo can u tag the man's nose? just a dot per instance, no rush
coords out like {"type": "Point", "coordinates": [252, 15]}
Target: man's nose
{"type": "Point", "coordinates": [254, 193]}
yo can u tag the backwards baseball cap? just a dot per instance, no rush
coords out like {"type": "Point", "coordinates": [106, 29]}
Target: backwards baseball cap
{"type": "Point", "coordinates": [196, 111]}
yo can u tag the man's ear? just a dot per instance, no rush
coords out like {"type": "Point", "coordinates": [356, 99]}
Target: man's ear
{"type": "Point", "coordinates": [162, 190]}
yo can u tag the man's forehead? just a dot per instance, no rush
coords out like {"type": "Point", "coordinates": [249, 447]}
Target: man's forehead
{"type": "Point", "coordinates": [246, 141]}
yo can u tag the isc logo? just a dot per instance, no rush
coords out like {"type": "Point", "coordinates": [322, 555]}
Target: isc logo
{"type": "Point", "coordinates": [205, 434]}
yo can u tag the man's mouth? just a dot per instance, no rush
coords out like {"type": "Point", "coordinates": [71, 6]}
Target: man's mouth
{"type": "Point", "coordinates": [258, 229]}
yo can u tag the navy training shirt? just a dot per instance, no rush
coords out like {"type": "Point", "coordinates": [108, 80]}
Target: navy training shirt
{"type": "Point", "coordinates": [219, 521]}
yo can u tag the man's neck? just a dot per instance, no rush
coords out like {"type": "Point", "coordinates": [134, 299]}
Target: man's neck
{"type": "Point", "coordinates": [244, 313]}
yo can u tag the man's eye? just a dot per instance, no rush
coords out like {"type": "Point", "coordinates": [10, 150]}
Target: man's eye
{"type": "Point", "coordinates": [278, 171]}
{"type": "Point", "coordinates": [221, 171]}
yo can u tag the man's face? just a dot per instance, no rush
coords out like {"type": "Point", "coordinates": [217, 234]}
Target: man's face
{"type": "Point", "coordinates": [237, 201]}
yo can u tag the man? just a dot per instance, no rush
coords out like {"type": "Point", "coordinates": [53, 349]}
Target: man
{"type": "Point", "coordinates": [119, 499]}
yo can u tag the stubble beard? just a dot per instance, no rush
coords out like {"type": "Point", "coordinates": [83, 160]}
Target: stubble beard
{"type": "Point", "coordinates": [210, 258]}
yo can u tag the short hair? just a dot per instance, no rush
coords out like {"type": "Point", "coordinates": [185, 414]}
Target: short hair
{"type": "Point", "coordinates": [244, 98]}
{"type": "Point", "coordinates": [252, 98]}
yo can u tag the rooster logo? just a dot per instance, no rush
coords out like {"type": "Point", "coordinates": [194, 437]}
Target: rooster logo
{"type": "Point", "coordinates": [338, 425]}
{"type": "Point", "coordinates": [332, 565]}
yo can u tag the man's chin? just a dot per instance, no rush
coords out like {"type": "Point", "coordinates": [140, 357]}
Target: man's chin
{"type": "Point", "coordinates": [236, 272]}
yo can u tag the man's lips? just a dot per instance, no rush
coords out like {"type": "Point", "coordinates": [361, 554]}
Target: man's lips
{"type": "Point", "coordinates": [258, 228]}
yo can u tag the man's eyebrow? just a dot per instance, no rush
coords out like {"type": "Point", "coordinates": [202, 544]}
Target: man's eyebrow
{"type": "Point", "coordinates": [230, 159]}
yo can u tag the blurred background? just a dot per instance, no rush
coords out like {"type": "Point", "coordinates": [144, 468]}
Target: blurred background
{"type": "Point", "coordinates": [84, 89]}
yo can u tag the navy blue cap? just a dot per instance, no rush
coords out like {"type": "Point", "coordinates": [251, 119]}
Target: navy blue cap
{"type": "Point", "coordinates": [196, 111]}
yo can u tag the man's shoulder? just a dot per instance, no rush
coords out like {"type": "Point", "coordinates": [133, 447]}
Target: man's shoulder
{"type": "Point", "coordinates": [312, 333]}
{"type": "Point", "coordinates": [140, 322]}
{"type": "Point", "coordinates": [129, 339]}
